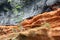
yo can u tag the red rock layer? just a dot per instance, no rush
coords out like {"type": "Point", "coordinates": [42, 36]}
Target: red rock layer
{"type": "Point", "coordinates": [8, 29]}
{"type": "Point", "coordinates": [52, 17]}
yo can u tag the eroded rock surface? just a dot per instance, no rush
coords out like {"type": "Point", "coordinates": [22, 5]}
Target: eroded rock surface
{"type": "Point", "coordinates": [39, 33]}
{"type": "Point", "coordinates": [52, 18]}
{"type": "Point", "coordinates": [44, 26]}
{"type": "Point", "coordinates": [4, 30]}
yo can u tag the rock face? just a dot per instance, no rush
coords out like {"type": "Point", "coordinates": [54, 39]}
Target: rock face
{"type": "Point", "coordinates": [39, 33]}
{"type": "Point", "coordinates": [4, 30]}
{"type": "Point", "coordinates": [52, 18]}
{"type": "Point", "coordinates": [44, 26]}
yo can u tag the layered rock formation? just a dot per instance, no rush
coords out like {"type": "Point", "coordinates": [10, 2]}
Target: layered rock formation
{"type": "Point", "coordinates": [44, 26]}
{"type": "Point", "coordinates": [4, 30]}
{"type": "Point", "coordinates": [39, 33]}
{"type": "Point", "coordinates": [52, 18]}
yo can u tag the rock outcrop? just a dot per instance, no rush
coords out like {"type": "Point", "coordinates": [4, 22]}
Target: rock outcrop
{"type": "Point", "coordinates": [52, 18]}
{"type": "Point", "coordinates": [39, 33]}
{"type": "Point", "coordinates": [44, 26]}
{"type": "Point", "coordinates": [4, 30]}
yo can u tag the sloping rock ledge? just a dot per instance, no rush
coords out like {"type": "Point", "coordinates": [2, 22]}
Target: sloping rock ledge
{"type": "Point", "coordinates": [44, 26]}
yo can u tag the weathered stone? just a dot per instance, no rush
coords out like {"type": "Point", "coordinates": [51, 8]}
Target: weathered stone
{"type": "Point", "coordinates": [32, 34]}
{"type": "Point", "coordinates": [42, 32]}
{"type": "Point", "coordinates": [52, 18]}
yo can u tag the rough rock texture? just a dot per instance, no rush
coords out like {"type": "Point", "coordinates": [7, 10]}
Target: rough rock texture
{"type": "Point", "coordinates": [39, 33]}
{"type": "Point", "coordinates": [52, 18]}
{"type": "Point", "coordinates": [4, 30]}
{"type": "Point", "coordinates": [44, 26]}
